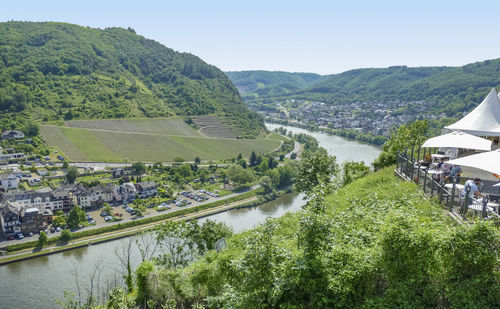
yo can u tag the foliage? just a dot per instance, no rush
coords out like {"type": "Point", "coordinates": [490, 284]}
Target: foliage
{"type": "Point", "coordinates": [142, 274]}
{"type": "Point", "coordinates": [238, 175]}
{"type": "Point", "coordinates": [404, 138]}
{"type": "Point", "coordinates": [66, 235]}
{"type": "Point", "coordinates": [254, 84]}
{"type": "Point", "coordinates": [375, 243]}
{"type": "Point", "coordinates": [139, 168]}
{"type": "Point", "coordinates": [72, 174]}
{"type": "Point", "coordinates": [353, 170]}
{"type": "Point", "coordinates": [452, 90]}
{"type": "Point", "coordinates": [59, 221]}
{"type": "Point", "coordinates": [58, 71]}
{"type": "Point", "coordinates": [178, 247]}
{"type": "Point", "coordinates": [317, 168]}
{"type": "Point", "coordinates": [75, 216]}
{"type": "Point", "coordinates": [42, 239]}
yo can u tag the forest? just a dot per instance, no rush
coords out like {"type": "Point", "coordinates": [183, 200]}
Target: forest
{"type": "Point", "coordinates": [57, 71]}
{"type": "Point", "coordinates": [452, 90]}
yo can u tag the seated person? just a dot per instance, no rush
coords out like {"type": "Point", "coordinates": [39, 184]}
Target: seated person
{"type": "Point", "coordinates": [474, 190]}
{"type": "Point", "coordinates": [454, 174]}
{"type": "Point", "coordinates": [441, 163]}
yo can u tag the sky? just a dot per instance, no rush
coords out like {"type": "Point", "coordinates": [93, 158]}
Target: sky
{"type": "Point", "coordinates": [324, 37]}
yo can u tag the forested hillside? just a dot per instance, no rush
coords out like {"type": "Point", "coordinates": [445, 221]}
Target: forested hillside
{"type": "Point", "coordinates": [255, 84]}
{"type": "Point", "coordinates": [376, 243]}
{"type": "Point", "coordinates": [453, 90]}
{"type": "Point", "coordinates": [54, 71]}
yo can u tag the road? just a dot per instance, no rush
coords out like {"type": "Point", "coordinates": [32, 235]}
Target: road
{"type": "Point", "coordinates": [296, 149]}
{"type": "Point", "coordinates": [127, 217]}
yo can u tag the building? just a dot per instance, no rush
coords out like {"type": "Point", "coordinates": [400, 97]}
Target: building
{"type": "Point", "coordinates": [8, 134]}
{"type": "Point", "coordinates": [146, 189]}
{"type": "Point", "coordinates": [6, 157]}
{"type": "Point", "coordinates": [17, 219]}
{"type": "Point", "coordinates": [9, 181]}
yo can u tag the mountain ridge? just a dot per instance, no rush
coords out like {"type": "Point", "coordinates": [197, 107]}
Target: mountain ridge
{"type": "Point", "coordinates": [52, 71]}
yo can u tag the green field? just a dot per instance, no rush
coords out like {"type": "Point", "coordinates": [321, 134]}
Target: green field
{"type": "Point", "coordinates": [170, 126]}
{"type": "Point", "coordinates": [105, 145]}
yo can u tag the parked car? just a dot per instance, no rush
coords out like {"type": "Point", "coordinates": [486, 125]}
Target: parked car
{"type": "Point", "coordinates": [10, 237]}
{"type": "Point", "coordinates": [30, 234]}
{"type": "Point", "coordinates": [20, 235]}
{"type": "Point", "coordinates": [52, 230]}
{"type": "Point", "coordinates": [89, 217]}
{"type": "Point", "coordinates": [58, 229]}
{"type": "Point", "coordinates": [91, 222]}
{"type": "Point", "coordinates": [108, 218]}
{"type": "Point", "coordinates": [104, 214]}
{"type": "Point", "coordinates": [60, 157]}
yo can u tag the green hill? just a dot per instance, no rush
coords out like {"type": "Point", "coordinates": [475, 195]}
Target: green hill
{"type": "Point", "coordinates": [454, 90]}
{"type": "Point", "coordinates": [54, 71]}
{"type": "Point", "coordinates": [255, 84]}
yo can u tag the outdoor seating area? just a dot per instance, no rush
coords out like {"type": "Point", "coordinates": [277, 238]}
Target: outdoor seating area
{"type": "Point", "coordinates": [461, 168]}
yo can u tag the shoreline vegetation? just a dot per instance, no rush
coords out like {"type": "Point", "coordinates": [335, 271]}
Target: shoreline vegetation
{"type": "Point", "coordinates": [252, 198]}
{"type": "Point", "coordinates": [374, 140]}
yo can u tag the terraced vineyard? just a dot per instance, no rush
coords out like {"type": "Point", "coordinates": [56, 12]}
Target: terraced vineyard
{"type": "Point", "coordinates": [170, 126]}
{"type": "Point", "coordinates": [211, 126]}
{"type": "Point", "coordinates": [147, 140]}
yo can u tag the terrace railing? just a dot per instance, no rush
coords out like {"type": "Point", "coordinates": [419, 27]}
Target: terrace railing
{"type": "Point", "coordinates": [450, 195]}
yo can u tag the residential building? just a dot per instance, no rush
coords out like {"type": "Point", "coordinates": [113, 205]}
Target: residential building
{"type": "Point", "coordinates": [9, 181]}
{"type": "Point", "coordinates": [146, 189]}
{"type": "Point", "coordinates": [12, 134]}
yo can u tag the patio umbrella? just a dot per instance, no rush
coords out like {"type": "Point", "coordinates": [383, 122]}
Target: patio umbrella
{"type": "Point", "coordinates": [458, 139]}
{"type": "Point", "coordinates": [486, 161]}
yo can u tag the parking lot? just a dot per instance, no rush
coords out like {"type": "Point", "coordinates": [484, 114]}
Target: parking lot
{"type": "Point", "coordinates": [125, 216]}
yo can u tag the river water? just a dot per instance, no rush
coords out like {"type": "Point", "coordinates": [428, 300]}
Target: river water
{"type": "Point", "coordinates": [38, 282]}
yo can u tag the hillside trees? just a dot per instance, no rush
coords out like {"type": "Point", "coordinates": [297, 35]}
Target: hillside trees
{"type": "Point", "coordinates": [54, 71]}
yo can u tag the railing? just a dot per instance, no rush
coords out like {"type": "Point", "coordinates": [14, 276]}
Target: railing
{"type": "Point", "coordinates": [450, 196]}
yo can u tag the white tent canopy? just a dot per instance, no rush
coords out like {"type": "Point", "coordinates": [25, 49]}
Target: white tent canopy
{"type": "Point", "coordinates": [484, 120]}
{"type": "Point", "coordinates": [487, 161]}
{"type": "Point", "coordinates": [458, 139]}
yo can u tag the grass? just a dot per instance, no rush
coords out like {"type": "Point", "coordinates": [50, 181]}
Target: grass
{"type": "Point", "coordinates": [108, 146]}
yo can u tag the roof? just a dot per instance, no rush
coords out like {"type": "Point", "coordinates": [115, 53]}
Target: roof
{"type": "Point", "coordinates": [484, 120]}
{"type": "Point", "coordinates": [458, 139]}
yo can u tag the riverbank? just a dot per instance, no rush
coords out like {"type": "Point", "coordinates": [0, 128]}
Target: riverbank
{"type": "Point", "coordinates": [197, 213]}
{"type": "Point", "coordinates": [350, 134]}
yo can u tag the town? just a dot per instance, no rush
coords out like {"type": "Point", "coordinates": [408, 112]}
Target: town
{"type": "Point", "coordinates": [375, 118]}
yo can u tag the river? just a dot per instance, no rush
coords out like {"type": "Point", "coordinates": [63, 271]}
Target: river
{"type": "Point", "coordinates": [38, 282]}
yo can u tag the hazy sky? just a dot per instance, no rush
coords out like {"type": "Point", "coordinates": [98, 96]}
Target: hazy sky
{"type": "Point", "coordinates": [297, 36]}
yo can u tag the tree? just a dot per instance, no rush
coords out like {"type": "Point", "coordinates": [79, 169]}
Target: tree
{"type": "Point", "coordinates": [32, 129]}
{"type": "Point", "coordinates": [272, 163]}
{"type": "Point", "coordinates": [59, 221]}
{"type": "Point", "coordinates": [72, 174]}
{"type": "Point", "coordinates": [253, 159]}
{"type": "Point", "coordinates": [405, 137]}
{"type": "Point", "coordinates": [197, 160]}
{"type": "Point", "coordinates": [238, 175]}
{"type": "Point", "coordinates": [42, 239]}
{"type": "Point", "coordinates": [66, 235]}
{"type": "Point", "coordinates": [178, 159]}
{"type": "Point", "coordinates": [206, 235]}
{"type": "Point", "coordinates": [282, 157]}
{"type": "Point", "coordinates": [266, 183]}
{"type": "Point", "coordinates": [179, 249]}
{"type": "Point", "coordinates": [142, 273]}
{"type": "Point", "coordinates": [139, 168]}
{"type": "Point", "coordinates": [75, 216]}
{"type": "Point", "coordinates": [317, 168]}
{"type": "Point", "coordinates": [65, 165]}
{"type": "Point", "coordinates": [353, 170]}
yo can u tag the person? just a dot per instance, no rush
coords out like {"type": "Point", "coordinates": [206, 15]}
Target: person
{"type": "Point", "coordinates": [454, 174]}
{"type": "Point", "coordinates": [474, 190]}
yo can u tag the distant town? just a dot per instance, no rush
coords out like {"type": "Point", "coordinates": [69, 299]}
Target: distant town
{"type": "Point", "coordinates": [376, 118]}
